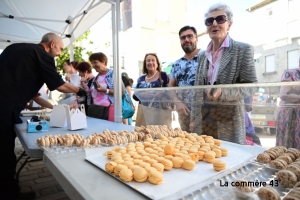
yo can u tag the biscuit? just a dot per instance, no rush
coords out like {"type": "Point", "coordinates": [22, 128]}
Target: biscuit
{"type": "Point", "coordinates": [218, 152]}
{"type": "Point", "coordinates": [158, 166]}
{"type": "Point", "coordinates": [169, 149]}
{"type": "Point", "coordinates": [243, 185]}
{"type": "Point", "coordinates": [126, 175]}
{"type": "Point", "coordinates": [224, 151]}
{"type": "Point", "coordinates": [155, 177]}
{"type": "Point", "coordinates": [149, 168]}
{"type": "Point", "coordinates": [189, 164]}
{"type": "Point", "coordinates": [219, 165]}
{"type": "Point", "coordinates": [168, 164]}
{"type": "Point", "coordinates": [133, 167]}
{"type": "Point", "coordinates": [268, 193]}
{"type": "Point", "coordinates": [128, 163]}
{"type": "Point", "coordinates": [286, 158]}
{"type": "Point", "coordinates": [295, 169]}
{"type": "Point", "coordinates": [278, 164]}
{"type": "Point", "coordinates": [110, 166]}
{"type": "Point", "coordinates": [177, 162]}
{"type": "Point", "coordinates": [140, 175]}
{"type": "Point", "coordinates": [286, 178]}
{"type": "Point", "coordinates": [118, 168]}
{"type": "Point", "coordinates": [194, 157]}
{"type": "Point", "coordinates": [263, 158]}
{"type": "Point", "coordinates": [209, 156]}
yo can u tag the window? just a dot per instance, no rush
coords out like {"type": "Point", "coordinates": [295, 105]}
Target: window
{"type": "Point", "coordinates": [293, 59]}
{"type": "Point", "coordinates": [162, 10]}
{"type": "Point", "coordinates": [270, 64]}
{"type": "Point", "coordinates": [293, 29]}
{"type": "Point", "coordinates": [269, 12]}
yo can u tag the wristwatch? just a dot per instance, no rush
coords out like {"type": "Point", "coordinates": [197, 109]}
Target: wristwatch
{"type": "Point", "coordinates": [107, 91]}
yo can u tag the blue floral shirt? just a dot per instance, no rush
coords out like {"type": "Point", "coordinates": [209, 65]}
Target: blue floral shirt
{"type": "Point", "coordinates": [141, 83]}
{"type": "Point", "coordinates": [184, 72]}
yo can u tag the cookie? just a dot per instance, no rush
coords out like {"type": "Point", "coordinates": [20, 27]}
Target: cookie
{"type": "Point", "coordinates": [295, 169]}
{"type": "Point", "coordinates": [268, 193]}
{"type": "Point", "coordinates": [286, 178]}
{"type": "Point", "coordinates": [278, 164]}
{"type": "Point", "coordinates": [263, 158]}
{"type": "Point", "coordinates": [286, 158]}
{"type": "Point", "coordinates": [219, 165]}
{"type": "Point", "coordinates": [243, 185]}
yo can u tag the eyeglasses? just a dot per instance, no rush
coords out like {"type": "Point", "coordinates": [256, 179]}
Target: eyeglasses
{"type": "Point", "coordinates": [221, 19]}
{"type": "Point", "coordinates": [189, 36]}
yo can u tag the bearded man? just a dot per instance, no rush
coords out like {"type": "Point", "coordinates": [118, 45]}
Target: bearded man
{"type": "Point", "coordinates": [183, 74]}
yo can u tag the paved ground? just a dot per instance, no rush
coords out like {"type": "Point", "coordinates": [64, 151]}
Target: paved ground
{"type": "Point", "coordinates": [36, 177]}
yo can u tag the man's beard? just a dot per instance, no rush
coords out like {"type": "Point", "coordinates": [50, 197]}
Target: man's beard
{"type": "Point", "coordinates": [189, 49]}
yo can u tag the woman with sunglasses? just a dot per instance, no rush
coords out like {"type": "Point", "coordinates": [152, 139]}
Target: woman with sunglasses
{"type": "Point", "coordinates": [153, 77]}
{"type": "Point", "coordinates": [225, 61]}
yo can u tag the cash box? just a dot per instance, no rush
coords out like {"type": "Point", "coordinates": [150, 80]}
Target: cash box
{"type": "Point", "coordinates": [35, 125]}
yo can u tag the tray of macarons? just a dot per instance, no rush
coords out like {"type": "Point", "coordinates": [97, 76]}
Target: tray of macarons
{"type": "Point", "coordinates": [152, 165]}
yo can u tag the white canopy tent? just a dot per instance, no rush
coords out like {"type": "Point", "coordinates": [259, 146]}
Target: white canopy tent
{"type": "Point", "coordinates": [28, 21]}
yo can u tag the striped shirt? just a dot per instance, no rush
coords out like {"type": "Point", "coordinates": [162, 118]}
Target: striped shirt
{"type": "Point", "coordinates": [215, 60]}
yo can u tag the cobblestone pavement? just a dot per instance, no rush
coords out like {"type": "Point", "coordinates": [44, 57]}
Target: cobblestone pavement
{"type": "Point", "coordinates": [36, 177]}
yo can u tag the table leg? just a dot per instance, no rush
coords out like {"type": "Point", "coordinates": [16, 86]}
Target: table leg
{"type": "Point", "coordinates": [27, 160]}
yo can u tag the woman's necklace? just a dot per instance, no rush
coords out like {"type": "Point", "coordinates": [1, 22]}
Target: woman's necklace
{"type": "Point", "coordinates": [151, 76]}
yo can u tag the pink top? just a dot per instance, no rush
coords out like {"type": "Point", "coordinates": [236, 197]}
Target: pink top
{"type": "Point", "coordinates": [215, 61]}
{"type": "Point", "coordinates": [100, 98]}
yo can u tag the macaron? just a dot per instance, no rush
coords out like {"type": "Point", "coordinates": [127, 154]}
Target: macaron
{"type": "Point", "coordinates": [140, 175]}
{"type": "Point", "coordinates": [189, 164]}
{"type": "Point", "coordinates": [219, 165]}
{"type": "Point", "coordinates": [126, 175]}
{"type": "Point", "coordinates": [155, 177]}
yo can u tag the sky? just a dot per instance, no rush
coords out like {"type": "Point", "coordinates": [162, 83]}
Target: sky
{"type": "Point", "coordinates": [240, 29]}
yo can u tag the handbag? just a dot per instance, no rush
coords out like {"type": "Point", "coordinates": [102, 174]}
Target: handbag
{"type": "Point", "coordinates": [97, 111]}
{"type": "Point", "coordinates": [148, 115]}
{"type": "Point", "coordinates": [127, 105]}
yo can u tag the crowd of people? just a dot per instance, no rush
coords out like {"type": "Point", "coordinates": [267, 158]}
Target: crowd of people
{"type": "Point", "coordinates": [225, 61]}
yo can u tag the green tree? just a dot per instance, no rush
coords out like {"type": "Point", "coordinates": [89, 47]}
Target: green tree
{"type": "Point", "coordinates": [78, 52]}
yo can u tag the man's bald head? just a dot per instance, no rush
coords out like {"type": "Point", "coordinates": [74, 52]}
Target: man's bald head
{"type": "Point", "coordinates": [52, 43]}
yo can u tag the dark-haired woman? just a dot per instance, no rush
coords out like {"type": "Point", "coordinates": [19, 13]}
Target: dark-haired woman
{"type": "Point", "coordinates": [87, 77]}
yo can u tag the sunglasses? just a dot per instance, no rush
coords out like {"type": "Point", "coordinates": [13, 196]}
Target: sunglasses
{"type": "Point", "coordinates": [189, 36]}
{"type": "Point", "coordinates": [221, 19]}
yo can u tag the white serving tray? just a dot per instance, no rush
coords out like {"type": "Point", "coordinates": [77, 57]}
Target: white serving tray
{"type": "Point", "coordinates": [180, 182]}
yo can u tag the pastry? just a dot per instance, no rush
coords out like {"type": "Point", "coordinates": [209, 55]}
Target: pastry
{"type": "Point", "coordinates": [219, 165]}
{"type": "Point", "coordinates": [218, 152]}
{"type": "Point", "coordinates": [189, 164]}
{"type": "Point", "coordinates": [295, 169]}
{"type": "Point", "coordinates": [217, 142]}
{"type": "Point", "coordinates": [133, 167]}
{"type": "Point", "coordinates": [209, 156]}
{"type": "Point", "coordinates": [118, 168]}
{"type": "Point", "coordinates": [168, 164]}
{"type": "Point", "coordinates": [263, 158]}
{"type": "Point", "coordinates": [140, 175]}
{"type": "Point", "coordinates": [119, 161]}
{"type": "Point", "coordinates": [128, 163]}
{"type": "Point", "coordinates": [155, 177]}
{"type": "Point", "coordinates": [286, 158]}
{"type": "Point", "coordinates": [137, 161]}
{"type": "Point", "coordinates": [144, 164]}
{"type": "Point", "coordinates": [152, 161]}
{"type": "Point", "coordinates": [126, 175]}
{"type": "Point", "coordinates": [194, 157]}
{"type": "Point", "coordinates": [278, 164]}
{"type": "Point", "coordinates": [224, 151]}
{"type": "Point", "coordinates": [169, 149]}
{"type": "Point", "coordinates": [158, 166]}
{"type": "Point", "coordinates": [286, 178]}
{"type": "Point", "coordinates": [110, 166]}
{"type": "Point", "coordinates": [177, 162]}
{"type": "Point", "coordinates": [128, 159]}
{"type": "Point", "coordinates": [149, 168]}
{"type": "Point", "coordinates": [243, 185]}
{"type": "Point", "coordinates": [268, 193]}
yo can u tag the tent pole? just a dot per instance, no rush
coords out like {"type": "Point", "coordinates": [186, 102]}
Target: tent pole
{"type": "Point", "coordinates": [71, 42]}
{"type": "Point", "coordinates": [115, 10]}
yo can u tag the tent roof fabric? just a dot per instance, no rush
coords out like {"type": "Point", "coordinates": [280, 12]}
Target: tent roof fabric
{"type": "Point", "coordinates": [28, 21]}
